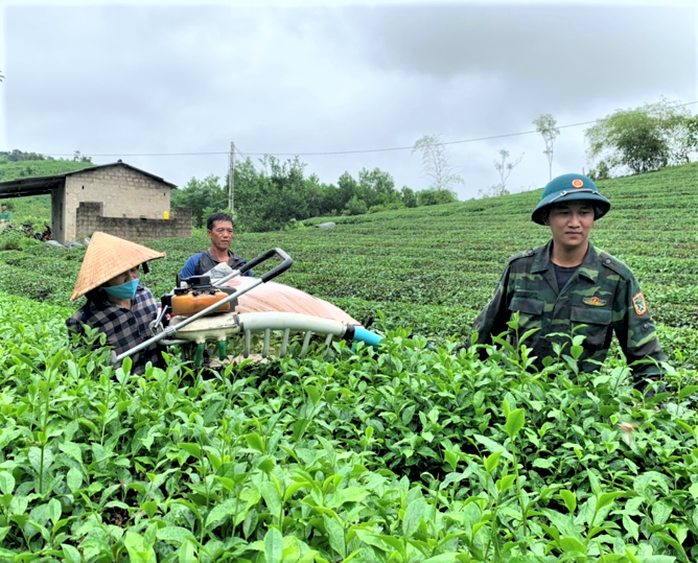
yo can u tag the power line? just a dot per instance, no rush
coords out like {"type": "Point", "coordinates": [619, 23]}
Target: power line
{"type": "Point", "coordinates": [358, 151]}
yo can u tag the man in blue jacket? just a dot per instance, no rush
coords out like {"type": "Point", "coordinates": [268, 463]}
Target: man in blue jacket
{"type": "Point", "coordinates": [219, 228]}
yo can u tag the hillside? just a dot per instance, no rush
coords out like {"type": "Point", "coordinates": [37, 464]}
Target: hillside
{"type": "Point", "coordinates": [36, 209]}
{"type": "Point", "coordinates": [415, 452]}
{"type": "Point", "coordinates": [432, 269]}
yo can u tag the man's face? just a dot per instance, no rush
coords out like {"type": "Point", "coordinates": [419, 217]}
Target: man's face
{"type": "Point", "coordinates": [221, 235]}
{"type": "Point", "coordinates": [570, 223]}
{"type": "Point", "coordinates": [4, 207]}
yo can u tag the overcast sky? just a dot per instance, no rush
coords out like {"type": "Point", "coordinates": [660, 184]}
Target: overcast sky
{"type": "Point", "coordinates": [167, 86]}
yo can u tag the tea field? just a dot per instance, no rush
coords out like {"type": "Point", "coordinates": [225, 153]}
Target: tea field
{"type": "Point", "coordinates": [414, 452]}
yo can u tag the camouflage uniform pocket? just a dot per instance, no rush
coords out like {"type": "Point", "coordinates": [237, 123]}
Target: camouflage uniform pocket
{"type": "Point", "coordinates": [530, 310]}
{"type": "Point", "coordinates": [597, 323]}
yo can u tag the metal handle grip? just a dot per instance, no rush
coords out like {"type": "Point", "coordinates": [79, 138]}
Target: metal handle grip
{"type": "Point", "coordinates": [271, 274]}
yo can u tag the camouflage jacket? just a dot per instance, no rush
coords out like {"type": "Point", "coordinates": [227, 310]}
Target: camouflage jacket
{"type": "Point", "coordinates": [602, 294]}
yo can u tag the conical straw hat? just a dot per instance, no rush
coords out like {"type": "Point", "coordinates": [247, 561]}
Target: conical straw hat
{"type": "Point", "coordinates": [108, 256]}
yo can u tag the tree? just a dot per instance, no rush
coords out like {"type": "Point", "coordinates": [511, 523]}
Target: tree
{"type": "Point", "coordinates": [546, 126]}
{"type": "Point", "coordinates": [644, 139]}
{"type": "Point", "coordinates": [435, 163]}
{"type": "Point", "coordinates": [202, 196]}
{"type": "Point", "coordinates": [347, 188]}
{"type": "Point", "coordinates": [504, 169]}
{"type": "Point", "coordinates": [275, 194]}
{"type": "Point", "coordinates": [377, 187]}
{"type": "Point", "coordinates": [79, 157]}
{"type": "Point", "coordinates": [355, 206]}
{"type": "Point", "coordinates": [409, 198]}
{"type": "Point", "coordinates": [435, 197]}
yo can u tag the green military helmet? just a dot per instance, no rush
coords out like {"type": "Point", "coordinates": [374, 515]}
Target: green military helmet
{"type": "Point", "coordinates": [570, 187]}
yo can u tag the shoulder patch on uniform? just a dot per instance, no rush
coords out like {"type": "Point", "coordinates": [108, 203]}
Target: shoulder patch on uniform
{"type": "Point", "coordinates": [639, 304]}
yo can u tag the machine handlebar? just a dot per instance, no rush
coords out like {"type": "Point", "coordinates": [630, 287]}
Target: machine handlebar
{"type": "Point", "coordinates": [286, 263]}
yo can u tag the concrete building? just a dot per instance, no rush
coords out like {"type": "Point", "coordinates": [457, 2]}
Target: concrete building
{"type": "Point", "coordinates": [115, 198]}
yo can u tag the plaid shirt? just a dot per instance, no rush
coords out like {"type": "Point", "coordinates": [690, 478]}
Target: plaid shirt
{"type": "Point", "coordinates": [125, 328]}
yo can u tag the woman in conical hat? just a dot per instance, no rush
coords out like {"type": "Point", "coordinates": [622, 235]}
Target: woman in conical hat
{"type": "Point", "coordinates": [117, 304]}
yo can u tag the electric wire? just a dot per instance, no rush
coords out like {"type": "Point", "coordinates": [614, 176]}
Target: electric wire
{"type": "Point", "coordinates": [357, 151]}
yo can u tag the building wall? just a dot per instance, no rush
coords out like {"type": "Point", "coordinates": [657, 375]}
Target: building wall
{"type": "Point", "coordinates": [123, 192]}
{"type": "Point", "coordinates": [58, 217]}
{"type": "Point", "coordinates": [89, 219]}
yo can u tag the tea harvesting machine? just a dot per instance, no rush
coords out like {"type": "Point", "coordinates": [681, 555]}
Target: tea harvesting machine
{"type": "Point", "coordinates": [201, 310]}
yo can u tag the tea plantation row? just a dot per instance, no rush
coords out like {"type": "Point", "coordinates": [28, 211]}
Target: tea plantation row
{"type": "Point", "coordinates": [415, 452]}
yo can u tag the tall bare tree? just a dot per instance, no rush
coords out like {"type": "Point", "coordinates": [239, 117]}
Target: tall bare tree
{"type": "Point", "coordinates": [546, 126]}
{"type": "Point", "coordinates": [504, 169]}
{"type": "Point", "coordinates": [435, 163]}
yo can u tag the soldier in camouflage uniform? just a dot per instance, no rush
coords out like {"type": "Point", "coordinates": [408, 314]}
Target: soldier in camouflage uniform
{"type": "Point", "coordinates": [568, 286]}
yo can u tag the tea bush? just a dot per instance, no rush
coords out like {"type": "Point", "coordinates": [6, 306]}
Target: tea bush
{"type": "Point", "coordinates": [407, 453]}
{"type": "Point", "coordinates": [414, 452]}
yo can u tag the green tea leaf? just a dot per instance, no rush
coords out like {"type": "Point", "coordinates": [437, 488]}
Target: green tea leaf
{"type": "Point", "coordinates": [407, 414]}
{"type": "Point", "coordinates": [444, 558]}
{"type": "Point", "coordinates": [137, 549]}
{"type": "Point", "coordinates": [271, 496]}
{"type": "Point", "coordinates": [571, 545]}
{"type": "Point", "coordinates": [606, 499]}
{"type": "Point", "coordinates": [273, 545]}
{"type": "Point", "coordinates": [632, 527]}
{"type": "Point", "coordinates": [505, 483]}
{"type": "Point", "coordinates": [349, 494]}
{"type": "Point", "coordinates": [256, 442]}
{"type": "Point", "coordinates": [70, 554]}
{"type": "Point", "coordinates": [187, 552]}
{"type": "Point", "coordinates": [660, 512]}
{"type": "Point", "coordinates": [492, 461]}
{"type": "Point", "coordinates": [7, 482]}
{"type": "Point", "coordinates": [543, 462]}
{"type": "Point", "coordinates": [74, 480]}
{"type": "Point", "coordinates": [414, 514]}
{"type": "Point", "coordinates": [515, 422]}
{"type": "Point", "coordinates": [335, 534]}
{"type": "Point", "coordinates": [313, 393]}
{"type": "Point", "coordinates": [688, 391]}
{"type": "Point", "coordinates": [594, 483]}
{"type": "Point", "coordinates": [175, 534]}
{"type": "Point", "coordinates": [693, 489]}
{"type": "Point", "coordinates": [192, 449]}
{"type": "Point", "coordinates": [570, 500]}
{"type": "Point", "coordinates": [491, 445]}
{"type": "Point", "coordinates": [220, 513]}
{"type": "Point", "coordinates": [73, 450]}
{"type": "Point", "coordinates": [54, 510]}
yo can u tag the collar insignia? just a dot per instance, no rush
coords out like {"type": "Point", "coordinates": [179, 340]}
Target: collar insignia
{"type": "Point", "coordinates": [577, 183]}
{"type": "Point", "coordinates": [595, 301]}
{"type": "Point", "coordinates": [639, 304]}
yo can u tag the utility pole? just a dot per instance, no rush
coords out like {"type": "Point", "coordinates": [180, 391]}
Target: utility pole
{"type": "Point", "coordinates": [231, 180]}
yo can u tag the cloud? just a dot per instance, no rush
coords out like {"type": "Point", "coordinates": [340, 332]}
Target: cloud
{"type": "Point", "coordinates": [185, 81]}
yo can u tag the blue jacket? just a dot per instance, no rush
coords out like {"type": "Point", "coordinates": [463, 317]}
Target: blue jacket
{"type": "Point", "coordinates": [202, 262]}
